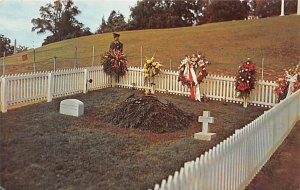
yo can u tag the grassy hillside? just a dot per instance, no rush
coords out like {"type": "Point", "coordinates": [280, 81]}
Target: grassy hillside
{"type": "Point", "coordinates": [225, 44]}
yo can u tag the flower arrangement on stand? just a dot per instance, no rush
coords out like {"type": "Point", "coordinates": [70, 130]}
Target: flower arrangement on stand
{"type": "Point", "coordinates": [151, 69]}
{"type": "Point", "coordinates": [115, 63]}
{"type": "Point", "coordinates": [192, 71]}
{"type": "Point", "coordinates": [289, 84]}
{"type": "Point", "coordinates": [245, 80]}
{"type": "Point", "coordinates": [282, 88]}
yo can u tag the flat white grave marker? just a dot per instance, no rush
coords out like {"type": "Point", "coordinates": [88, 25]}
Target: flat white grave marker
{"type": "Point", "coordinates": [205, 134]}
{"type": "Point", "coordinates": [71, 107]}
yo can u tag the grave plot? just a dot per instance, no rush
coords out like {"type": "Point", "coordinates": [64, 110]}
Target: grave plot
{"type": "Point", "coordinates": [43, 149]}
{"type": "Point", "coordinates": [149, 113]}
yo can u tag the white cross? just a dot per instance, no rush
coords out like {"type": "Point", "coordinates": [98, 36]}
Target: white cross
{"type": "Point", "coordinates": [205, 119]}
{"type": "Point", "coordinates": [205, 134]}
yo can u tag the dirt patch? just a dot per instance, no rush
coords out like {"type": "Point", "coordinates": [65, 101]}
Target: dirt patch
{"type": "Point", "coordinates": [149, 113]}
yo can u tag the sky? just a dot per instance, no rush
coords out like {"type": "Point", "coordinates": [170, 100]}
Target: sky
{"type": "Point", "coordinates": [16, 15]}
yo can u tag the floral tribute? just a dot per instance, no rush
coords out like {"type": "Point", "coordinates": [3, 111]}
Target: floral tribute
{"type": "Point", "coordinates": [151, 69]}
{"type": "Point", "coordinates": [245, 79]}
{"type": "Point", "coordinates": [192, 71]}
{"type": "Point", "coordinates": [198, 64]}
{"type": "Point", "coordinates": [114, 63]}
{"type": "Point", "coordinates": [289, 84]}
{"type": "Point", "coordinates": [282, 88]}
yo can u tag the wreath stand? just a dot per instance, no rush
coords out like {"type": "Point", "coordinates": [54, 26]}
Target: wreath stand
{"type": "Point", "coordinates": [198, 94]}
{"type": "Point", "coordinates": [245, 102]}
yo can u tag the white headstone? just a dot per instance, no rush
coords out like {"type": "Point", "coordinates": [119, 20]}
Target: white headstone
{"type": "Point", "coordinates": [205, 134]}
{"type": "Point", "coordinates": [71, 107]}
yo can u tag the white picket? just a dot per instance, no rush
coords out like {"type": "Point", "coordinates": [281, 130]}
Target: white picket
{"type": "Point", "coordinates": [213, 167]}
{"type": "Point", "coordinates": [187, 176]}
{"type": "Point", "coordinates": [182, 178]}
{"type": "Point", "coordinates": [176, 182]}
{"type": "Point", "coordinates": [206, 170]}
{"type": "Point", "coordinates": [197, 174]}
{"type": "Point", "coordinates": [169, 184]}
{"type": "Point", "coordinates": [156, 187]}
{"type": "Point", "coordinates": [201, 172]}
{"type": "Point", "coordinates": [163, 185]}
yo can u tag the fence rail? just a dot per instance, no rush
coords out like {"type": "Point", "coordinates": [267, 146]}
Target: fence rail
{"type": "Point", "coordinates": [17, 89]}
{"type": "Point", "coordinates": [233, 163]}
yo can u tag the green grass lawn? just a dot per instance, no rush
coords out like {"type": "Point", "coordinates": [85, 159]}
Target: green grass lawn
{"type": "Point", "coordinates": [225, 44]}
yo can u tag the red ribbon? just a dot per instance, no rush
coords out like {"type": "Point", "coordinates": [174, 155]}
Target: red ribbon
{"type": "Point", "coordinates": [192, 89]}
{"type": "Point", "coordinates": [117, 56]}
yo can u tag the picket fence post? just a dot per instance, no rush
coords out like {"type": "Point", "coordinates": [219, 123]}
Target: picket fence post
{"type": "Point", "coordinates": [153, 87]}
{"type": "Point", "coordinates": [50, 87]}
{"type": "Point", "coordinates": [113, 81]}
{"type": "Point", "coordinates": [85, 82]}
{"type": "Point", "coordinates": [4, 95]}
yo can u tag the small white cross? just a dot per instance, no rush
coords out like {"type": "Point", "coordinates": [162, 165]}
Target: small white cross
{"type": "Point", "coordinates": [205, 134]}
{"type": "Point", "coordinates": [205, 119]}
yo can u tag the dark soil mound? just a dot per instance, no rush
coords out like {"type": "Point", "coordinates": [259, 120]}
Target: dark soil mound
{"type": "Point", "coordinates": [149, 113]}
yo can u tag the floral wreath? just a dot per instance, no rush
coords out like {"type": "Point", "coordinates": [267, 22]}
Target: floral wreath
{"type": "Point", "coordinates": [114, 63]}
{"type": "Point", "coordinates": [245, 79]}
{"type": "Point", "coordinates": [198, 63]}
{"type": "Point", "coordinates": [291, 75]}
{"type": "Point", "coordinates": [151, 69]}
{"type": "Point", "coordinates": [282, 88]}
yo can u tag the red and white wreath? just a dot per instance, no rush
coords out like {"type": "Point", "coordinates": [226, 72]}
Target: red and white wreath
{"type": "Point", "coordinates": [192, 70]}
{"type": "Point", "coordinates": [289, 84]}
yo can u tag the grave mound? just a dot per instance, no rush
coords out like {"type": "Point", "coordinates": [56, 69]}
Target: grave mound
{"type": "Point", "coordinates": [149, 113]}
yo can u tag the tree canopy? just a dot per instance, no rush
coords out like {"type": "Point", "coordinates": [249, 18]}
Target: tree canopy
{"type": "Point", "coordinates": [148, 14]}
{"type": "Point", "coordinates": [268, 8]}
{"type": "Point", "coordinates": [7, 48]}
{"type": "Point", "coordinates": [115, 23]}
{"type": "Point", "coordinates": [162, 14]}
{"type": "Point", "coordinates": [59, 19]}
{"type": "Point", "coordinates": [218, 11]}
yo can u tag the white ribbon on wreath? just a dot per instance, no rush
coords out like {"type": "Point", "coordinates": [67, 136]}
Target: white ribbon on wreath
{"type": "Point", "coordinates": [291, 79]}
{"type": "Point", "coordinates": [189, 69]}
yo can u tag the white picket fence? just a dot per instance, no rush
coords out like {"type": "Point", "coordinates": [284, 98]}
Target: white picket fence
{"type": "Point", "coordinates": [21, 88]}
{"type": "Point", "coordinates": [233, 163]}
{"type": "Point", "coordinates": [215, 87]}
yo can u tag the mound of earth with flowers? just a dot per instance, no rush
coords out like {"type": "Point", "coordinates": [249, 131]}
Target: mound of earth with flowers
{"type": "Point", "coordinates": [149, 113]}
